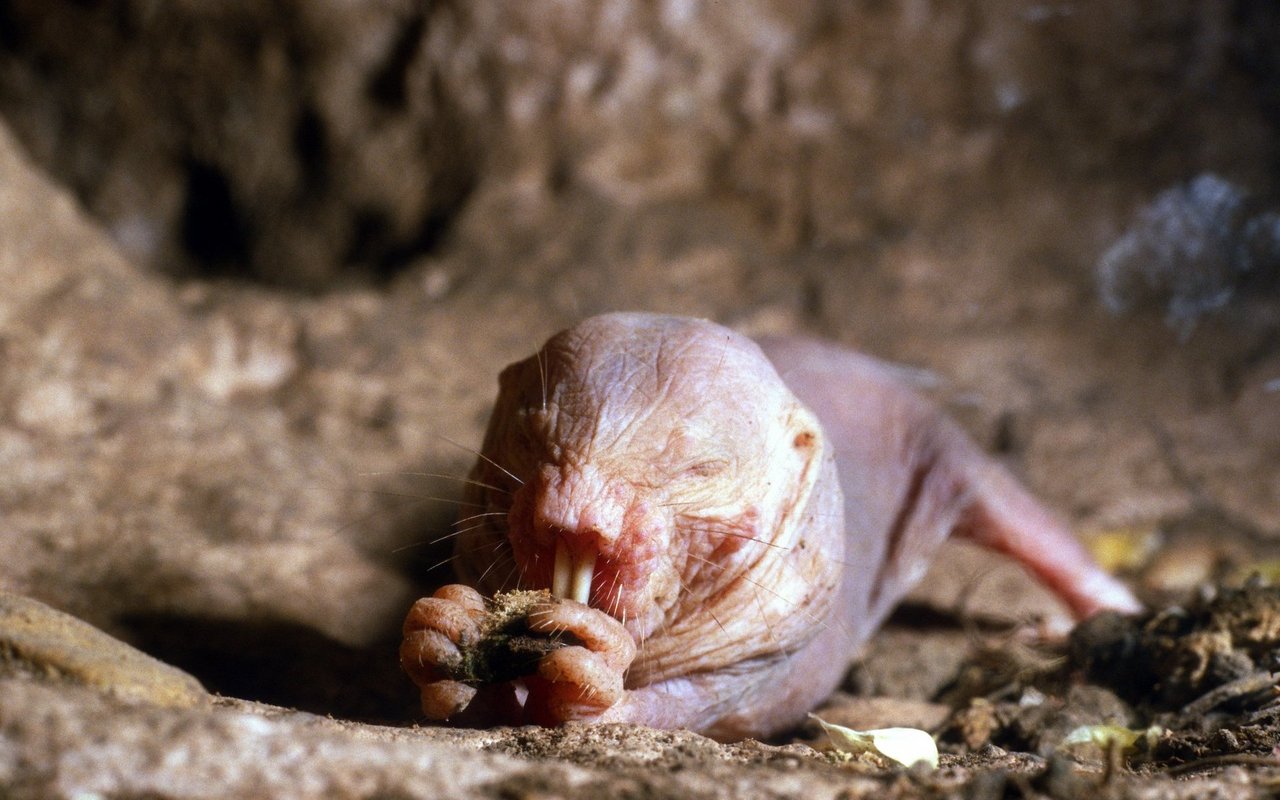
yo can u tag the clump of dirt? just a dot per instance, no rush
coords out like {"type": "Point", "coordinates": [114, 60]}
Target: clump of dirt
{"type": "Point", "coordinates": [507, 649]}
{"type": "Point", "coordinates": [1200, 677]}
{"type": "Point", "coordinates": [1221, 650]}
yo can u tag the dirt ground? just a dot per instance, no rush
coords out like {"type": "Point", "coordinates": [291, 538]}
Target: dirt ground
{"type": "Point", "coordinates": [259, 264]}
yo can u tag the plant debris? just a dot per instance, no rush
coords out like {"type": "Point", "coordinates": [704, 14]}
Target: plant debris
{"type": "Point", "coordinates": [905, 746]}
{"type": "Point", "coordinates": [1181, 688]}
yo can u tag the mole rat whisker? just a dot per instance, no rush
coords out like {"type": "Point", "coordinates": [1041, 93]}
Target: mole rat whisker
{"type": "Point", "coordinates": [474, 527]}
{"type": "Point", "coordinates": [757, 540]}
{"type": "Point", "coordinates": [482, 546]}
{"type": "Point", "coordinates": [795, 604]}
{"type": "Point", "coordinates": [449, 535]}
{"type": "Point", "coordinates": [410, 546]}
{"type": "Point", "coordinates": [764, 615]}
{"type": "Point", "coordinates": [788, 601]}
{"type": "Point", "coordinates": [724, 352]}
{"type": "Point", "coordinates": [349, 524]}
{"type": "Point", "coordinates": [478, 454]}
{"type": "Point", "coordinates": [426, 542]}
{"type": "Point", "coordinates": [554, 630]}
{"type": "Point", "coordinates": [479, 516]}
{"type": "Point", "coordinates": [542, 378]}
{"type": "Point", "coordinates": [440, 564]}
{"type": "Point", "coordinates": [706, 561]}
{"type": "Point", "coordinates": [643, 639]}
{"type": "Point", "coordinates": [507, 578]}
{"type": "Point", "coordinates": [445, 476]}
{"type": "Point", "coordinates": [837, 622]}
{"type": "Point", "coordinates": [420, 497]}
{"type": "Point", "coordinates": [492, 564]}
{"type": "Point", "coordinates": [616, 593]}
{"type": "Point", "coordinates": [680, 503]}
{"type": "Point", "coordinates": [717, 621]}
{"type": "Point", "coordinates": [684, 588]}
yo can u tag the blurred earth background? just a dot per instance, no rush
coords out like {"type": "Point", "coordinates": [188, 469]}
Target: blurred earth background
{"type": "Point", "coordinates": [259, 263]}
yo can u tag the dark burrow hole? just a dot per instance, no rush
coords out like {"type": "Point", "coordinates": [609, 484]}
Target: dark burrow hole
{"type": "Point", "coordinates": [388, 86]}
{"type": "Point", "coordinates": [213, 230]}
{"type": "Point", "coordinates": [283, 664]}
{"type": "Point", "coordinates": [311, 144]}
{"type": "Point", "coordinates": [372, 241]}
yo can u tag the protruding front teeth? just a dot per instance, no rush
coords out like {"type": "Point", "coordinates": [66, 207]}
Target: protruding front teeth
{"type": "Point", "coordinates": [570, 580]}
{"type": "Point", "coordinates": [563, 574]}
{"type": "Point", "coordinates": [582, 572]}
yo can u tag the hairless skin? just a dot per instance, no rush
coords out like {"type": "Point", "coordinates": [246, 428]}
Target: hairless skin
{"type": "Point", "coordinates": [723, 524]}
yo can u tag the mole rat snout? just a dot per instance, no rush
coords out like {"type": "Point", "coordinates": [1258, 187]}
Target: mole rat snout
{"type": "Point", "coordinates": [589, 530]}
{"type": "Point", "coordinates": [579, 505]}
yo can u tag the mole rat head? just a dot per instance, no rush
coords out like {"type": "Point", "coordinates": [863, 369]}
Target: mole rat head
{"type": "Point", "coordinates": [644, 464]}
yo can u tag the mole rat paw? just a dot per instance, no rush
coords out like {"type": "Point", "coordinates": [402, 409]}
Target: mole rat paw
{"type": "Point", "coordinates": [578, 681]}
{"type": "Point", "coordinates": [434, 631]}
{"type": "Point", "coordinates": [599, 633]}
{"type": "Point", "coordinates": [573, 683]}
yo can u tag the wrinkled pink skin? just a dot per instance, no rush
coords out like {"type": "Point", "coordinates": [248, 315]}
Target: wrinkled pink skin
{"type": "Point", "coordinates": [736, 573]}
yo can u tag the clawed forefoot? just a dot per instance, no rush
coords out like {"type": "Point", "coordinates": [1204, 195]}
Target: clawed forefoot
{"type": "Point", "coordinates": [580, 660]}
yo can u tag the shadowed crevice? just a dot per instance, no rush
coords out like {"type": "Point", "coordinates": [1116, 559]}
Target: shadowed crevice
{"type": "Point", "coordinates": [283, 664]}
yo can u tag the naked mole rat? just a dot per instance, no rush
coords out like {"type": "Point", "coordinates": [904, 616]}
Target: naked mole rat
{"type": "Point", "coordinates": [724, 522]}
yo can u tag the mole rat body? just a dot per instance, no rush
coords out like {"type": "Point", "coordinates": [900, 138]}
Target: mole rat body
{"type": "Point", "coordinates": [723, 522]}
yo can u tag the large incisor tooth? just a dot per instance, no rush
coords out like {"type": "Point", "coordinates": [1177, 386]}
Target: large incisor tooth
{"type": "Point", "coordinates": [561, 576]}
{"type": "Point", "coordinates": [582, 572]}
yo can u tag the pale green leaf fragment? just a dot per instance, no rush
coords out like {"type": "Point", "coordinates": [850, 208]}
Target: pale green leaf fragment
{"type": "Point", "coordinates": [1107, 736]}
{"type": "Point", "coordinates": [906, 746]}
